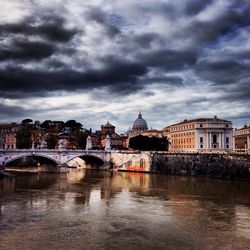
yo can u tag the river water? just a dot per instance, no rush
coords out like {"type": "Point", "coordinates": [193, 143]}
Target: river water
{"type": "Point", "coordinates": [123, 210]}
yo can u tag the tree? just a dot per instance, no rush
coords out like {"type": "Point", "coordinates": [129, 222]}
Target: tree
{"type": "Point", "coordinates": [23, 138]}
{"type": "Point", "coordinates": [72, 125]}
{"type": "Point", "coordinates": [146, 143]}
{"type": "Point", "coordinates": [27, 121]}
{"type": "Point", "coordinates": [51, 140]}
{"type": "Point", "coordinates": [46, 124]}
{"type": "Point", "coordinates": [78, 140]}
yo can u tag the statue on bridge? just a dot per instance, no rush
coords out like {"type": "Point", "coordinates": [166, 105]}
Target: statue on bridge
{"type": "Point", "coordinates": [107, 144]}
{"type": "Point", "coordinates": [89, 143]}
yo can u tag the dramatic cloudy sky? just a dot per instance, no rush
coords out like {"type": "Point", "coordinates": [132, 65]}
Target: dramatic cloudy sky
{"type": "Point", "coordinates": [101, 60]}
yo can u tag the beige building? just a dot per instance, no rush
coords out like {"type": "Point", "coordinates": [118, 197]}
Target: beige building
{"type": "Point", "coordinates": [242, 139]}
{"type": "Point", "coordinates": [152, 133]}
{"type": "Point", "coordinates": [200, 135]}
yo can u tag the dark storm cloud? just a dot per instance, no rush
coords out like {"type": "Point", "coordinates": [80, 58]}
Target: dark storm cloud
{"type": "Point", "coordinates": [223, 72]}
{"type": "Point", "coordinates": [122, 76]}
{"type": "Point", "coordinates": [26, 50]}
{"type": "Point", "coordinates": [175, 81]}
{"type": "Point", "coordinates": [195, 6]}
{"type": "Point", "coordinates": [48, 26]}
{"type": "Point", "coordinates": [118, 75]}
{"type": "Point", "coordinates": [210, 31]}
{"type": "Point", "coordinates": [204, 32]}
{"type": "Point", "coordinates": [49, 31]}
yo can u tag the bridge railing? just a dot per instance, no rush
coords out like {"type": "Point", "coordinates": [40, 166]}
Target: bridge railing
{"type": "Point", "coordinates": [52, 150]}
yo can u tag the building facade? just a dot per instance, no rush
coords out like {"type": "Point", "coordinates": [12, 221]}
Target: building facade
{"type": "Point", "coordinates": [200, 135]}
{"type": "Point", "coordinates": [116, 141]}
{"type": "Point", "coordinates": [242, 139]}
{"type": "Point", "coordinates": [8, 135]}
{"type": "Point", "coordinates": [38, 137]}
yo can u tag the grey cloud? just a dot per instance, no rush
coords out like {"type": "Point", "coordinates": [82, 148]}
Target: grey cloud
{"type": "Point", "coordinates": [223, 72]}
{"type": "Point", "coordinates": [170, 80]}
{"type": "Point", "coordinates": [102, 18]}
{"type": "Point", "coordinates": [168, 59]}
{"type": "Point", "coordinates": [195, 6]}
{"type": "Point", "coordinates": [14, 111]}
{"type": "Point", "coordinates": [48, 26]}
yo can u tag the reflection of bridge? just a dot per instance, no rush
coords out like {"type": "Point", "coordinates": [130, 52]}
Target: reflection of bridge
{"type": "Point", "coordinates": [116, 159]}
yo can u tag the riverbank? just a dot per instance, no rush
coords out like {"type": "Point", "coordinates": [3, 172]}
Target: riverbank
{"type": "Point", "coordinates": [225, 166]}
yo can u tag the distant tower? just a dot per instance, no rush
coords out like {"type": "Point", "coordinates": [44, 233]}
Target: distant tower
{"type": "Point", "coordinates": [89, 143]}
{"type": "Point", "coordinates": [139, 124]}
{"type": "Point", "coordinates": [107, 145]}
{"type": "Point", "coordinates": [107, 129]}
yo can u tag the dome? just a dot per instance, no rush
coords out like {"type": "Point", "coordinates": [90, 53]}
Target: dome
{"type": "Point", "coordinates": [139, 124]}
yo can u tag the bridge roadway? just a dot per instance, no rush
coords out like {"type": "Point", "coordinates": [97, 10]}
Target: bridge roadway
{"type": "Point", "coordinates": [111, 159]}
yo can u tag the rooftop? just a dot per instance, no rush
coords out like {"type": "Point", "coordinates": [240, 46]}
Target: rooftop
{"type": "Point", "coordinates": [215, 119]}
{"type": "Point", "coordinates": [245, 127]}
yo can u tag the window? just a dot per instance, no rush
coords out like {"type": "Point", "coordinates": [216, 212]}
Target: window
{"type": "Point", "coordinates": [226, 125]}
{"type": "Point", "coordinates": [214, 138]}
{"type": "Point", "coordinates": [201, 139]}
{"type": "Point", "coordinates": [227, 139]}
{"type": "Point", "coordinates": [201, 126]}
{"type": "Point", "coordinates": [201, 146]}
{"type": "Point", "coordinates": [227, 146]}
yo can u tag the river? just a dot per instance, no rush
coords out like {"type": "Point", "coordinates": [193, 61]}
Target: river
{"type": "Point", "coordinates": [123, 210]}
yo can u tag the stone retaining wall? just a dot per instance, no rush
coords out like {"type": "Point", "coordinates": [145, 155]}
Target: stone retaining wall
{"type": "Point", "coordinates": [231, 166]}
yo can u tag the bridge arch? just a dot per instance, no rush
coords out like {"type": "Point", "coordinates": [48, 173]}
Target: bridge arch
{"type": "Point", "coordinates": [99, 157]}
{"type": "Point", "coordinates": [91, 160]}
{"type": "Point", "coordinates": [17, 157]}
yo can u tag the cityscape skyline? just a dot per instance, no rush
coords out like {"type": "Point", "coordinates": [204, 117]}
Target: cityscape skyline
{"type": "Point", "coordinates": [109, 60]}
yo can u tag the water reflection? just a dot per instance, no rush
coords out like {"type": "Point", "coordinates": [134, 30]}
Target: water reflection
{"type": "Point", "coordinates": [86, 209]}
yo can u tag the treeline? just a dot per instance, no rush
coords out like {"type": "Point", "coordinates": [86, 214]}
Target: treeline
{"type": "Point", "coordinates": [53, 126]}
{"type": "Point", "coordinates": [36, 134]}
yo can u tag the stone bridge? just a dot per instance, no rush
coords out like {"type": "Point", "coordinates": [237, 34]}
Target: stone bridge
{"type": "Point", "coordinates": [127, 160]}
{"type": "Point", "coordinates": [222, 165]}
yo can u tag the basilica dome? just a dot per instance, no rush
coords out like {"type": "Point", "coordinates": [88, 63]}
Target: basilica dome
{"type": "Point", "coordinates": [139, 124]}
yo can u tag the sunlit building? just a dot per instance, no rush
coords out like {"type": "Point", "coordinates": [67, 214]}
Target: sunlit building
{"type": "Point", "coordinates": [242, 139]}
{"type": "Point", "coordinates": [200, 135]}
{"type": "Point", "coordinates": [152, 133]}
